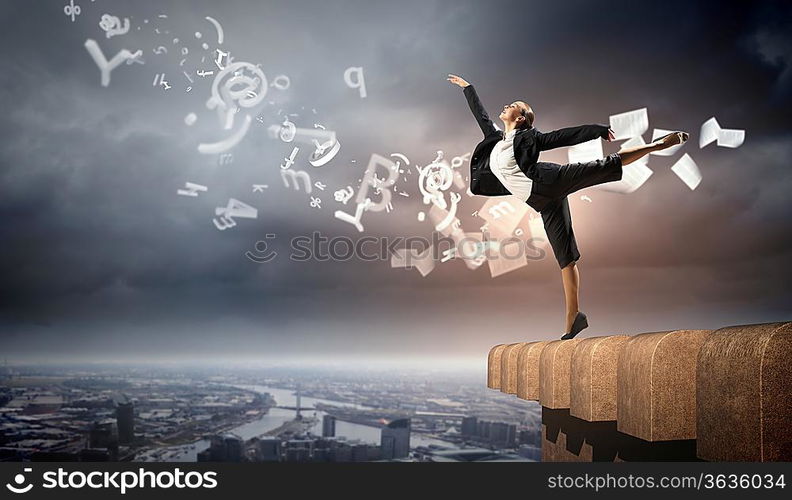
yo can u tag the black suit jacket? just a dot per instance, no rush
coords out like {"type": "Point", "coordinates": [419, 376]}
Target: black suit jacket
{"type": "Point", "coordinates": [528, 143]}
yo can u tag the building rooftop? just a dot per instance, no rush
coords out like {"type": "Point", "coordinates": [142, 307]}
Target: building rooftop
{"type": "Point", "coordinates": [718, 395]}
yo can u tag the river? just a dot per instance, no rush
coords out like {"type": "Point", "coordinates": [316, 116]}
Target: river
{"type": "Point", "coordinates": [277, 416]}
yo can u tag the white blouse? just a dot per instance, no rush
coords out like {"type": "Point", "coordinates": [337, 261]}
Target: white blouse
{"type": "Point", "coordinates": [505, 168]}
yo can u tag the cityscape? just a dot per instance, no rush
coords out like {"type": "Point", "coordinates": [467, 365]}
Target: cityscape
{"type": "Point", "coordinates": [261, 414]}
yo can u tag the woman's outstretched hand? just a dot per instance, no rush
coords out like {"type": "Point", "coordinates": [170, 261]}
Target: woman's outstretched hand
{"type": "Point", "coordinates": [457, 80]}
{"type": "Point", "coordinates": [611, 135]}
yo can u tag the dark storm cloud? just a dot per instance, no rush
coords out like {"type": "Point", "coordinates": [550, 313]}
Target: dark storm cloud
{"type": "Point", "coordinates": [99, 254]}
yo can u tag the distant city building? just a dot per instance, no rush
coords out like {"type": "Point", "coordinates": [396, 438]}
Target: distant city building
{"type": "Point", "coordinates": [234, 448]}
{"type": "Point", "coordinates": [299, 443]}
{"type": "Point", "coordinates": [342, 453]}
{"type": "Point", "coordinates": [104, 435]}
{"type": "Point", "coordinates": [497, 434]}
{"type": "Point", "coordinates": [5, 398]}
{"type": "Point", "coordinates": [530, 436]}
{"type": "Point", "coordinates": [298, 455]}
{"type": "Point", "coordinates": [469, 426]}
{"type": "Point", "coordinates": [298, 450]}
{"type": "Point", "coordinates": [360, 453]}
{"type": "Point", "coordinates": [530, 452]}
{"type": "Point", "coordinates": [223, 448]}
{"type": "Point", "coordinates": [269, 449]}
{"type": "Point", "coordinates": [374, 452]}
{"type": "Point", "coordinates": [511, 436]}
{"type": "Point", "coordinates": [502, 434]}
{"type": "Point", "coordinates": [329, 443]}
{"type": "Point", "coordinates": [328, 426]}
{"type": "Point", "coordinates": [484, 429]}
{"type": "Point", "coordinates": [395, 439]}
{"type": "Point", "coordinates": [321, 455]}
{"type": "Point", "coordinates": [125, 420]}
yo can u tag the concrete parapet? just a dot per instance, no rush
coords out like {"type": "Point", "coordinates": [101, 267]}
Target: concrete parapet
{"type": "Point", "coordinates": [744, 403]}
{"type": "Point", "coordinates": [656, 387]}
{"type": "Point", "coordinates": [593, 378]}
{"type": "Point", "coordinates": [555, 364]}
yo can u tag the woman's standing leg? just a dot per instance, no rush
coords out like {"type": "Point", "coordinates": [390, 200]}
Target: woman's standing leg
{"type": "Point", "coordinates": [570, 276]}
{"type": "Point", "coordinates": [558, 226]}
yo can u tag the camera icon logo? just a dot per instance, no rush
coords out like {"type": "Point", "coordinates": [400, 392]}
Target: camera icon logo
{"type": "Point", "coordinates": [20, 479]}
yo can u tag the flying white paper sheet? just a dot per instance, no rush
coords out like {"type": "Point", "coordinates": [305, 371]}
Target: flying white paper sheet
{"type": "Point", "coordinates": [728, 138]}
{"type": "Point", "coordinates": [688, 171]}
{"type": "Point", "coordinates": [658, 133]}
{"type": "Point", "coordinates": [538, 234]}
{"type": "Point", "coordinates": [510, 255]}
{"type": "Point", "coordinates": [410, 257]}
{"type": "Point", "coordinates": [630, 124]}
{"type": "Point", "coordinates": [731, 138]}
{"type": "Point", "coordinates": [503, 213]}
{"type": "Point", "coordinates": [709, 132]}
{"type": "Point", "coordinates": [585, 151]}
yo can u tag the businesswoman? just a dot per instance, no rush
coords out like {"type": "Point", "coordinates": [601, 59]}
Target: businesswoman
{"type": "Point", "coordinates": [506, 163]}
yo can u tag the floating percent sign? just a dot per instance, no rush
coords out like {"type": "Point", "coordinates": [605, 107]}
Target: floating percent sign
{"type": "Point", "coordinates": [71, 10]}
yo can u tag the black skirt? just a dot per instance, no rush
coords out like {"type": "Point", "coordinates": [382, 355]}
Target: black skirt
{"type": "Point", "coordinates": [550, 200]}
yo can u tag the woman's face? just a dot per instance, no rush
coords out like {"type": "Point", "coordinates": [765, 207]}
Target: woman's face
{"type": "Point", "coordinates": [513, 113]}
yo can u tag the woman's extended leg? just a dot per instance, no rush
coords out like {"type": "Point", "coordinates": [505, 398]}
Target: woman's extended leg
{"type": "Point", "coordinates": [629, 155]}
{"type": "Point", "coordinates": [573, 177]}
{"type": "Point", "coordinates": [571, 279]}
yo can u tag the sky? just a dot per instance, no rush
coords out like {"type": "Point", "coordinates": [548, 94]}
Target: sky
{"type": "Point", "coordinates": [101, 260]}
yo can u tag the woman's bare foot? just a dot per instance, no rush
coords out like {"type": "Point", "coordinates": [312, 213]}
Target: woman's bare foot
{"type": "Point", "coordinates": [671, 139]}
